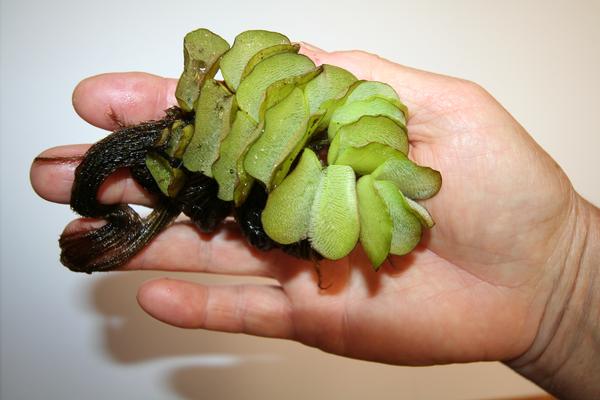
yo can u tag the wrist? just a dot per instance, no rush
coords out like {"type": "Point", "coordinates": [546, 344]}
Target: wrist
{"type": "Point", "coordinates": [564, 357]}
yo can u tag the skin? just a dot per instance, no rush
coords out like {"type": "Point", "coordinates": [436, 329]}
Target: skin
{"type": "Point", "coordinates": [506, 274]}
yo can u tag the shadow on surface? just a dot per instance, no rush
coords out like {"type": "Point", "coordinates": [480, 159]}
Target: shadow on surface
{"type": "Point", "coordinates": [131, 336]}
{"type": "Point", "coordinates": [244, 381]}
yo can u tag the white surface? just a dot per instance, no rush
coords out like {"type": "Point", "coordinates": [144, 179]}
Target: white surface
{"type": "Point", "coordinates": [69, 336]}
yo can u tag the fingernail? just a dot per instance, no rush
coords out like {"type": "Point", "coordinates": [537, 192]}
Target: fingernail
{"type": "Point", "coordinates": [311, 47]}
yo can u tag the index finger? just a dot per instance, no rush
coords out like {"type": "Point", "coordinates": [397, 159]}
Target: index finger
{"type": "Point", "coordinates": [112, 100]}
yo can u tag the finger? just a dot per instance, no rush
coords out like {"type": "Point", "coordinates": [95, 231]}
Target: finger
{"type": "Point", "coordinates": [183, 248]}
{"type": "Point", "coordinates": [112, 100]}
{"type": "Point", "coordinates": [252, 309]}
{"type": "Point", "coordinates": [415, 87]}
{"type": "Point", "coordinates": [53, 171]}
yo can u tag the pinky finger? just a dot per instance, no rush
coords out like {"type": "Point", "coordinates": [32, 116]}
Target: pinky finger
{"type": "Point", "coordinates": [258, 310]}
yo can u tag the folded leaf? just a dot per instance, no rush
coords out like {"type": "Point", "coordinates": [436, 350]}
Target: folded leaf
{"type": "Point", "coordinates": [245, 46]}
{"type": "Point", "coordinates": [364, 160]}
{"type": "Point", "coordinates": [287, 213]}
{"type": "Point", "coordinates": [366, 90]}
{"type": "Point", "coordinates": [284, 126]}
{"type": "Point", "coordinates": [202, 51]}
{"type": "Point", "coordinates": [244, 131]}
{"type": "Point", "coordinates": [375, 222]}
{"type": "Point", "coordinates": [413, 180]}
{"type": "Point", "coordinates": [334, 224]}
{"type": "Point", "coordinates": [252, 90]}
{"type": "Point", "coordinates": [170, 180]}
{"type": "Point", "coordinates": [215, 110]}
{"type": "Point", "coordinates": [406, 228]}
{"type": "Point", "coordinates": [368, 129]}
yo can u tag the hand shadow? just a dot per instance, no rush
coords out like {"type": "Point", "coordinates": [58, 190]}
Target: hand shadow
{"type": "Point", "coordinates": [240, 381]}
{"type": "Point", "coordinates": [131, 336]}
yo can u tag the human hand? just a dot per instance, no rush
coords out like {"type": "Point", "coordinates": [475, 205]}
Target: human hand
{"type": "Point", "coordinates": [478, 288]}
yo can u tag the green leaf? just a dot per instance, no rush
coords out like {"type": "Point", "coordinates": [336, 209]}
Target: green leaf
{"type": "Point", "coordinates": [281, 89]}
{"type": "Point", "coordinates": [215, 110]}
{"type": "Point", "coordinates": [245, 46]}
{"type": "Point", "coordinates": [180, 136]}
{"type": "Point", "coordinates": [244, 131]}
{"type": "Point", "coordinates": [375, 222]}
{"type": "Point", "coordinates": [421, 213]}
{"type": "Point", "coordinates": [170, 180]}
{"type": "Point", "coordinates": [252, 90]}
{"type": "Point", "coordinates": [202, 50]}
{"type": "Point", "coordinates": [284, 125]}
{"type": "Point", "coordinates": [334, 223]}
{"type": "Point", "coordinates": [406, 228]}
{"type": "Point", "coordinates": [287, 213]}
{"type": "Point", "coordinates": [414, 181]}
{"type": "Point", "coordinates": [368, 129]}
{"type": "Point", "coordinates": [364, 160]}
{"type": "Point", "coordinates": [266, 53]}
{"type": "Point", "coordinates": [352, 112]}
{"type": "Point", "coordinates": [367, 90]}
{"type": "Point", "coordinates": [331, 84]}
{"type": "Point", "coordinates": [245, 183]}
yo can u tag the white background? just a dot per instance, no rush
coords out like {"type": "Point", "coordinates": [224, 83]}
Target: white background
{"type": "Point", "coordinates": [72, 336]}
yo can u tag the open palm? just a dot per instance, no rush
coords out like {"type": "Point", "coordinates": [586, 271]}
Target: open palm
{"type": "Point", "coordinates": [472, 291]}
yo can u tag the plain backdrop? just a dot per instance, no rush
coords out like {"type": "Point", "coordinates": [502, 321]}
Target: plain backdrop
{"type": "Point", "coordinates": [73, 336]}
